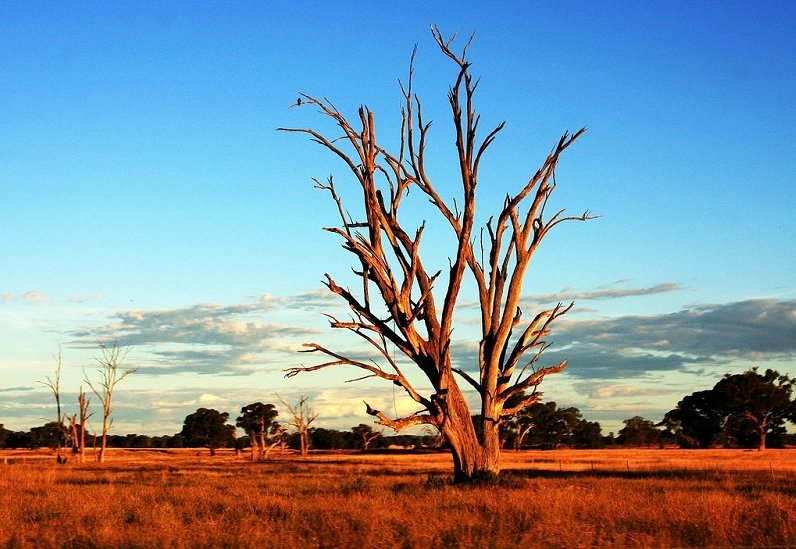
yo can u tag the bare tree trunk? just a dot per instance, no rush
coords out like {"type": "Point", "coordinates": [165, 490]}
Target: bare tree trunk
{"type": "Point", "coordinates": [367, 439]}
{"type": "Point", "coordinates": [83, 404]}
{"type": "Point", "coordinates": [277, 439]}
{"type": "Point", "coordinates": [522, 432]}
{"type": "Point", "coordinates": [253, 443]}
{"type": "Point", "coordinates": [472, 459]}
{"type": "Point", "coordinates": [72, 435]}
{"type": "Point", "coordinates": [304, 443]}
{"type": "Point", "coordinates": [261, 440]}
{"type": "Point", "coordinates": [103, 444]}
{"type": "Point", "coordinates": [271, 447]}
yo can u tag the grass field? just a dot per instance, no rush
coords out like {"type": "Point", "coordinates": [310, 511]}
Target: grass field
{"type": "Point", "coordinates": [566, 498]}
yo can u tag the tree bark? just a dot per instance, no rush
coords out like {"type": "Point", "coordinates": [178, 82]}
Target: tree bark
{"type": "Point", "coordinates": [103, 445]}
{"type": "Point", "coordinates": [83, 405]}
{"type": "Point", "coordinates": [304, 443]}
{"type": "Point", "coordinates": [261, 440]}
{"type": "Point", "coordinates": [254, 443]}
{"type": "Point", "coordinates": [473, 459]}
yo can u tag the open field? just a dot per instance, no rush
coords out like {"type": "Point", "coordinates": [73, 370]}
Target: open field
{"type": "Point", "coordinates": [176, 498]}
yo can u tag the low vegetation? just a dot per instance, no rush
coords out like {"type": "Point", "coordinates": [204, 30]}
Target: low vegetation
{"type": "Point", "coordinates": [561, 498]}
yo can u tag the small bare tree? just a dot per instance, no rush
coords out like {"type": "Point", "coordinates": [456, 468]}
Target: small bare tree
{"type": "Point", "coordinates": [303, 416]}
{"type": "Point", "coordinates": [110, 374]}
{"type": "Point", "coordinates": [276, 438]}
{"type": "Point", "coordinates": [77, 426]}
{"type": "Point", "coordinates": [54, 383]}
{"type": "Point", "coordinates": [397, 304]}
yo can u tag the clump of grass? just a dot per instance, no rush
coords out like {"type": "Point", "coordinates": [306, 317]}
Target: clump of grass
{"type": "Point", "coordinates": [436, 481]}
{"type": "Point", "coordinates": [357, 485]}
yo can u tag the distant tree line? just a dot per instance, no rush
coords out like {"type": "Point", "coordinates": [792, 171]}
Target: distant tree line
{"type": "Point", "coordinates": [46, 436]}
{"type": "Point", "coordinates": [746, 410]}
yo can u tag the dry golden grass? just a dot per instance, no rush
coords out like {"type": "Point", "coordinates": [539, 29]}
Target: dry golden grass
{"type": "Point", "coordinates": [660, 498]}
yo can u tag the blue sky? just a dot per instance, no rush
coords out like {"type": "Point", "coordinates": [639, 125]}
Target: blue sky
{"type": "Point", "coordinates": [146, 196]}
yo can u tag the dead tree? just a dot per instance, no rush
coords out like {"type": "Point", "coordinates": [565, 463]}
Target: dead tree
{"type": "Point", "coordinates": [110, 374]}
{"type": "Point", "coordinates": [77, 427]}
{"type": "Point", "coordinates": [398, 304]}
{"type": "Point", "coordinates": [277, 438]}
{"type": "Point", "coordinates": [303, 416]}
{"type": "Point", "coordinates": [366, 434]}
{"type": "Point", "coordinates": [54, 383]}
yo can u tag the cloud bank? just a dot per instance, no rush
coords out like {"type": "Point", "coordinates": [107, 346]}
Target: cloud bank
{"type": "Point", "coordinates": [238, 339]}
{"type": "Point", "coordinates": [204, 338]}
{"type": "Point", "coordinates": [614, 362]}
{"type": "Point", "coordinates": [753, 330]}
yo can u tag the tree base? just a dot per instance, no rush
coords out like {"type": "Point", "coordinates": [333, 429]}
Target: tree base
{"type": "Point", "coordinates": [476, 477]}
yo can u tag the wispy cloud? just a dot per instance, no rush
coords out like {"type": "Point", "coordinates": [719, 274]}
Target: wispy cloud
{"type": "Point", "coordinates": [86, 298]}
{"type": "Point", "coordinates": [33, 296]}
{"type": "Point", "coordinates": [317, 299]}
{"type": "Point", "coordinates": [605, 390]}
{"type": "Point", "coordinates": [603, 292]}
{"type": "Point", "coordinates": [617, 290]}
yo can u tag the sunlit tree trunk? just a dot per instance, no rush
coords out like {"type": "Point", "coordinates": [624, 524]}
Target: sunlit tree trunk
{"type": "Point", "coordinates": [472, 458]}
{"type": "Point", "coordinates": [762, 428]}
{"type": "Point", "coordinates": [254, 445]}
{"type": "Point", "coordinates": [83, 405]}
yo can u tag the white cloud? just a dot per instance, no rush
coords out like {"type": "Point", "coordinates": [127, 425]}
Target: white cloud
{"type": "Point", "coordinates": [319, 298]}
{"type": "Point", "coordinates": [604, 292]}
{"type": "Point", "coordinates": [86, 298]}
{"type": "Point", "coordinates": [33, 296]}
{"type": "Point", "coordinates": [606, 390]}
{"type": "Point", "coordinates": [210, 399]}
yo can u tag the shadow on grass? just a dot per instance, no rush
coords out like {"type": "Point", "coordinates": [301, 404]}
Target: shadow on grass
{"type": "Point", "coordinates": [782, 482]}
